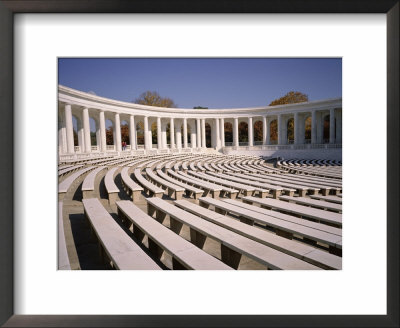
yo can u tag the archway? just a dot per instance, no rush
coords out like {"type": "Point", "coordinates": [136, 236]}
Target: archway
{"type": "Point", "coordinates": [228, 128]}
{"type": "Point", "coordinates": [153, 134]}
{"type": "Point", "coordinates": [93, 132]}
{"type": "Point", "coordinates": [109, 133]}
{"type": "Point", "coordinates": [208, 135]}
{"type": "Point", "coordinates": [258, 133]}
{"type": "Point", "coordinates": [326, 127]}
{"type": "Point", "coordinates": [273, 132]}
{"type": "Point", "coordinates": [290, 130]}
{"type": "Point", "coordinates": [140, 134]}
{"type": "Point", "coordinates": [307, 130]}
{"type": "Point", "coordinates": [243, 132]}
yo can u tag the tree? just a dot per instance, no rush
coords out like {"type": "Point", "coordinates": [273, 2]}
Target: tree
{"type": "Point", "coordinates": [292, 97]}
{"type": "Point", "coordinates": [152, 98]}
{"type": "Point", "coordinates": [200, 107]}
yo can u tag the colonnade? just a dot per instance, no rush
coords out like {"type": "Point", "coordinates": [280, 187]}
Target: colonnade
{"type": "Point", "coordinates": [198, 121]}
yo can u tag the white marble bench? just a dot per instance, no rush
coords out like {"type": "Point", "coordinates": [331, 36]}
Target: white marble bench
{"type": "Point", "coordinates": [185, 255]}
{"type": "Point", "coordinates": [151, 189]}
{"type": "Point", "coordinates": [63, 259]}
{"type": "Point", "coordinates": [313, 213]}
{"type": "Point", "coordinates": [302, 251]}
{"type": "Point", "coordinates": [190, 190]}
{"type": "Point", "coordinates": [120, 249]}
{"type": "Point", "coordinates": [69, 181]}
{"type": "Point", "coordinates": [173, 190]}
{"type": "Point", "coordinates": [285, 228]}
{"type": "Point", "coordinates": [233, 245]}
{"type": "Point", "coordinates": [130, 186]}
{"type": "Point", "coordinates": [88, 183]}
{"type": "Point", "coordinates": [332, 199]}
{"type": "Point", "coordinates": [314, 203]}
{"type": "Point", "coordinates": [111, 187]}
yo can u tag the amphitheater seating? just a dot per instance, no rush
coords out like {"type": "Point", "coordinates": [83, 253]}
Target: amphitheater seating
{"type": "Point", "coordinates": [88, 183]}
{"type": "Point", "coordinates": [282, 228]}
{"type": "Point", "coordinates": [67, 183]}
{"type": "Point", "coordinates": [291, 247]}
{"type": "Point", "coordinates": [233, 245]}
{"type": "Point", "coordinates": [111, 187]}
{"type": "Point", "coordinates": [121, 250]}
{"type": "Point", "coordinates": [185, 255]}
{"type": "Point", "coordinates": [151, 189]}
{"type": "Point", "coordinates": [313, 203]}
{"type": "Point", "coordinates": [294, 223]}
{"type": "Point", "coordinates": [172, 189]}
{"type": "Point", "coordinates": [130, 186]}
{"type": "Point", "coordinates": [63, 260]}
{"type": "Point", "coordinates": [313, 213]}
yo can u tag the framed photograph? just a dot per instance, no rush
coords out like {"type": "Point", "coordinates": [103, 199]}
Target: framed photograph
{"type": "Point", "coordinates": [52, 119]}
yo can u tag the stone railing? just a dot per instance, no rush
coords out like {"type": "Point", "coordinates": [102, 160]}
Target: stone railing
{"type": "Point", "coordinates": [285, 147]}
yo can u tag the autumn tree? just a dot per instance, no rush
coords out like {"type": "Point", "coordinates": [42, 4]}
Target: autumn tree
{"type": "Point", "coordinates": [152, 98]}
{"type": "Point", "coordinates": [292, 97]}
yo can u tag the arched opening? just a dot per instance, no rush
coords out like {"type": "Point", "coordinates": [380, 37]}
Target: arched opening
{"type": "Point", "coordinates": [168, 133]}
{"type": "Point", "coordinates": [154, 133]}
{"type": "Point", "coordinates": [140, 134]}
{"type": "Point", "coordinates": [228, 134]}
{"type": "Point", "coordinates": [326, 129]}
{"type": "Point", "coordinates": [208, 135]}
{"type": "Point", "coordinates": [125, 132]}
{"type": "Point", "coordinates": [109, 133]}
{"type": "Point", "coordinates": [243, 132]}
{"type": "Point", "coordinates": [307, 130]}
{"type": "Point", "coordinates": [75, 130]}
{"type": "Point", "coordinates": [258, 133]}
{"type": "Point", "coordinates": [273, 132]}
{"type": "Point", "coordinates": [93, 131]}
{"type": "Point", "coordinates": [290, 130]}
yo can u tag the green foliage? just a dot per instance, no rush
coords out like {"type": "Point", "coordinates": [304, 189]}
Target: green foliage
{"type": "Point", "coordinates": [199, 107]}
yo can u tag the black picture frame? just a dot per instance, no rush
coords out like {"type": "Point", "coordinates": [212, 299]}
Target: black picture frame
{"type": "Point", "coordinates": [10, 7]}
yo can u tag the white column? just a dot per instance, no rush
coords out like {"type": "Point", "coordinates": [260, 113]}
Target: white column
{"type": "Point", "coordinates": [185, 133]}
{"type": "Point", "coordinates": [198, 132]}
{"type": "Point", "coordinates": [69, 129]}
{"type": "Point", "coordinates": [193, 135]}
{"type": "Point", "coordinates": [250, 131]}
{"type": "Point", "coordinates": [164, 134]}
{"type": "Point", "coordinates": [118, 132]}
{"type": "Point", "coordinates": [217, 134]}
{"type": "Point", "coordinates": [265, 141]}
{"type": "Point", "coordinates": [132, 132]}
{"type": "Point", "coordinates": [332, 125]}
{"type": "Point", "coordinates": [296, 129]}
{"type": "Point", "coordinates": [203, 133]}
{"type": "Point", "coordinates": [81, 135]}
{"type": "Point", "coordinates": [178, 136]}
{"type": "Point", "coordinates": [236, 132]}
{"type": "Point", "coordinates": [159, 145]}
{"type": "Point", "coordinates": [145, 130]}
{"type": "Point", "coordinates": [172, 133]}
{"type": "Point", "coordinates": [62, 140]}
{"type": "Point", "coordinates": [279, 123]}
{"type": "Point", "coordinates": [313, 127]}
{"type": "Point", "coordinates": [86, 129]}
{"type": "Point", "coordinates": [103, 143]}
{"type": "Point", "coordinates": [222, 124]}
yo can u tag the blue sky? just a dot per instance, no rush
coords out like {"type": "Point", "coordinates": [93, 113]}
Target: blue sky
{"type": "Point", "coordinates": [209, 82]}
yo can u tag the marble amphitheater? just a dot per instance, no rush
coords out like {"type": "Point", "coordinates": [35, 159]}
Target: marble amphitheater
{"type": "Point", "coordinates": [182, 193]}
